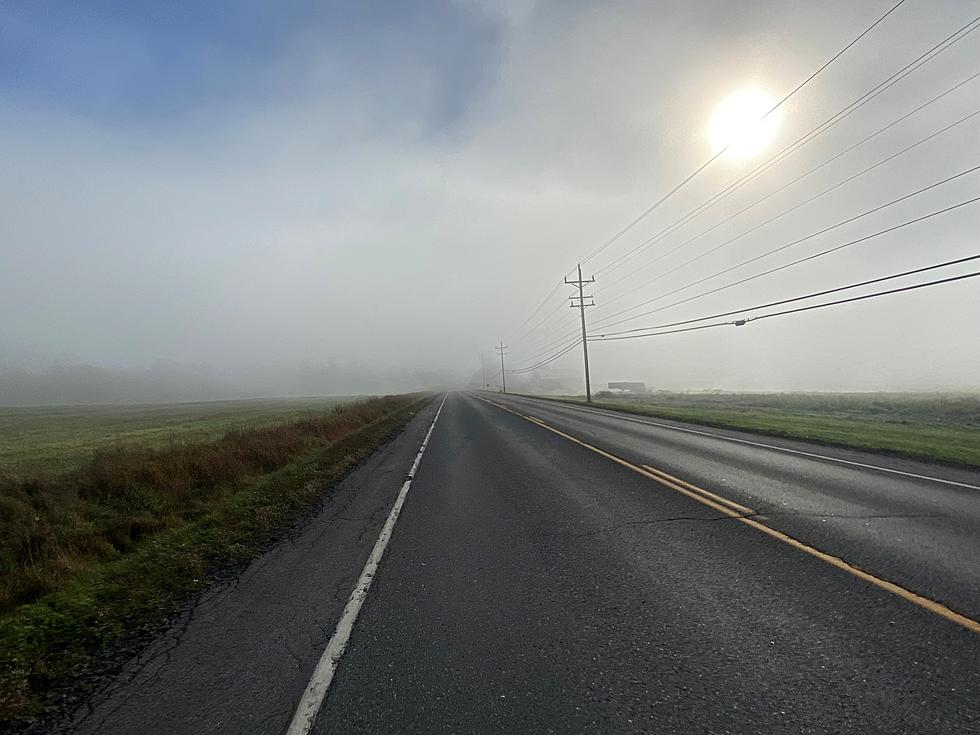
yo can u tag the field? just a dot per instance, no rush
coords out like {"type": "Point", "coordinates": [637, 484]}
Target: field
{"type": "Point", "coordinates": [937, 427]}
{"type": "Point", "coordinates": [52, 439]}
{"type": "Point", "coordinates": [125, 511]}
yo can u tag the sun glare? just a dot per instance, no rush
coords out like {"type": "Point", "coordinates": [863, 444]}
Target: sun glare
{"type": "Point", "coordinates": [740, 122]}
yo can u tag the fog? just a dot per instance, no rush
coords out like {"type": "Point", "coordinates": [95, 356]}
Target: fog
{"type": "Point", "coordinates": [233, 199]}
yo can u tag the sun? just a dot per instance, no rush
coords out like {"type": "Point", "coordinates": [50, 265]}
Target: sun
{"type": "Point", "coordinates": [740, 122]}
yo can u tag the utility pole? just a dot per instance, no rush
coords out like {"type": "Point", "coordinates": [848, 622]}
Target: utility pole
{"type": "Point", "coordinates": [483, 362]}
{"type": "Point", "coordinates": [502, 349]}
{"type": "Point", "coordinates": [581, 307]}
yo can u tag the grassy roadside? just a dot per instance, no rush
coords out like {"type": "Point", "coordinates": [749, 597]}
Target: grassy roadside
{"type": "Point", "coordinates": [950, 444]}
{"type": "Point", "coordinates": [58, 636]}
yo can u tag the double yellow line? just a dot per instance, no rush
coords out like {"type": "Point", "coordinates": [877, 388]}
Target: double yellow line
{"type": "Point", "coordinates": [742, 514]}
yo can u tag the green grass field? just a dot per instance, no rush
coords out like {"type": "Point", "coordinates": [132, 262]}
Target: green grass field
{"type": "Point", "coordinates": [53, 439]}
{"type": "Point", "coordinates": [944, 428]}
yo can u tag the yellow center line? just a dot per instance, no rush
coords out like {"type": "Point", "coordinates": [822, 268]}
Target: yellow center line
{"type": "Point", "coordinates": [736, 511]}
{"type": "Point", "coordinates": [718, 498]}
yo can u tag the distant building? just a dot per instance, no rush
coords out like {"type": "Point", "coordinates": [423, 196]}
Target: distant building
{"type": "Point", "coordinates": [626, 386]}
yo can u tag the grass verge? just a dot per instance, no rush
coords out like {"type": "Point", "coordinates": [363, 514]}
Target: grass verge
{"type": "Point", "coordinates": [268, 478]}
{"type": "Point", "coordinates": [949, 444]}
{"type": "Point", "coordinates": [55, 439]}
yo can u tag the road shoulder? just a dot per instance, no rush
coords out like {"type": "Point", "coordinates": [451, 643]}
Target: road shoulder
{"type": "Point", "coordinates": [237, 659]}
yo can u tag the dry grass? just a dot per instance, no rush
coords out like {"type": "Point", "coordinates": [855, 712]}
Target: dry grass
{"type": "Point", "coordinates": [51, 528]}
{"type": "Point", "coordinates": [55, 439]}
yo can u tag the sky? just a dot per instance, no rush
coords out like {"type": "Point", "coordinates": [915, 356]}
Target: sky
{"type": "Point", "coordinates": [255, 188]}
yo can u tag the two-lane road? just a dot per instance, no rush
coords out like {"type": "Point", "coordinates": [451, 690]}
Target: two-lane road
{"type": "Point", "coordinates": [557, 569]}
{"type": "Point", "coordinates": [536, 585]}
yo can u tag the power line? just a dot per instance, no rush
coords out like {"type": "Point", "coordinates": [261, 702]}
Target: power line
{"type": "Point", "coordinates": [799, 178]}
{"type": "Point", "coordinates": [713, 158]}
{"type": "Point", "coordinates": [830, 122]}
{"type": "Point", "coordinates": [551, 359]}
{"type": "Point", "coordinates": [810, 199]}
{"type": "Point", "coordinates": [742, 322]}
{"type": "Point", "coordinates": [539, 307]}
{"type": "Point", "coordinates": [783, 247]}
{"type": "Point", "coordinates": [559, 309]}
{"type": "Point", "coordinates": [840, 53]}
{"type": "Point", "coordinates": [943, 45]}
{"type": "Point", "coordinates": [852, 299]}
{"type": "Point", "coordinates": [874, 92]}
{"type": "Point", "coordinates": [797, 242]}
{"type": "Point", "coordinates": [659, 334]}
{"type": "Point", "coordinates": [546, 345]}
{"type": "Point", "coordinates": [800, 260]}
{"type": "Point", "coordinates": [813, 295]}
{"type": "Point", "coordinates": [554, 344]}
{"type": "Point", "coordinates": [698, 170]}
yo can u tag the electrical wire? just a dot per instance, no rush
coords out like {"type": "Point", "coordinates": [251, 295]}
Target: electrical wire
{"type": "Point", "coordinates": [561, 308]}
{"type": "Point", "coordinates": [797, 242]}
{"type": "Point", "coordinates": [939, 48]}
{"type": "Point", "coordinates": [552, 345]}
{"type": "Point", "coordinates": [550, 359]}
{"type": "Point", "coordinates": [852, 299]}
{"type": "Point", "coordinates": [827, 124]}
{"type": "Point", "coordinates": [798, 262]}
{"type": "Point", "coordinates": [539, 307]}
{"type": "Point", "coordinates": [550, 315]}
{"type": "Point", "coordinates": [713, 158]}
{"type": "Point", "coordinates": [742, 322]}
{"type": "Point", "coordinates": [826, 292]}
{"type": "Point", "coordinates": [799, 178]}
{"type": "Point", "coordinates": [806, 201]}
{"type": "Point", "coordinates": [801, 260]}
{"type": "Point", "coordinates": [698, 170]}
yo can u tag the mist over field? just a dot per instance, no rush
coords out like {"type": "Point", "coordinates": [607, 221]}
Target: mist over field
{"type": "Point", "coordinates": [309, 198]}
{"type": "Point", "coordinates": [166, 382]}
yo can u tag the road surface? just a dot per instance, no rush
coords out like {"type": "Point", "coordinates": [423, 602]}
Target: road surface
{"type": "Point", "coordinates": [560, 569]}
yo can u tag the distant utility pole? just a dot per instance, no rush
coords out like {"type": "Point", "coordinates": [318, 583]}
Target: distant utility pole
{"type": "Point", "coordinates": [581, 307]}
{"type": "Point", "coordinates": [502, 349]}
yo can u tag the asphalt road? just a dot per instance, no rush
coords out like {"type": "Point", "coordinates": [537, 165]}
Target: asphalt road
{"type": "Point", "coordinates": [540, 579]}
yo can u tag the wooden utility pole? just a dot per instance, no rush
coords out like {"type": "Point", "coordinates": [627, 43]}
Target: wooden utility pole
{"type": "Point", "coordinates": [502, 349]}
{"type": "Point", "coordinates": [581, 305]}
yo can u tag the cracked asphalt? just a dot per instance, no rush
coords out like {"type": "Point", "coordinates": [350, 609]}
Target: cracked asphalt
{"type": "Point", "coordinates": [532, 585]}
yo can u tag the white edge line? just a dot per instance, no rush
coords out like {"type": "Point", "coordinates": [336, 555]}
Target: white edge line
{"type": "Point", "coordinates": [316, 690]}
{"type": "Point", "coordinates": [625, 417]}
